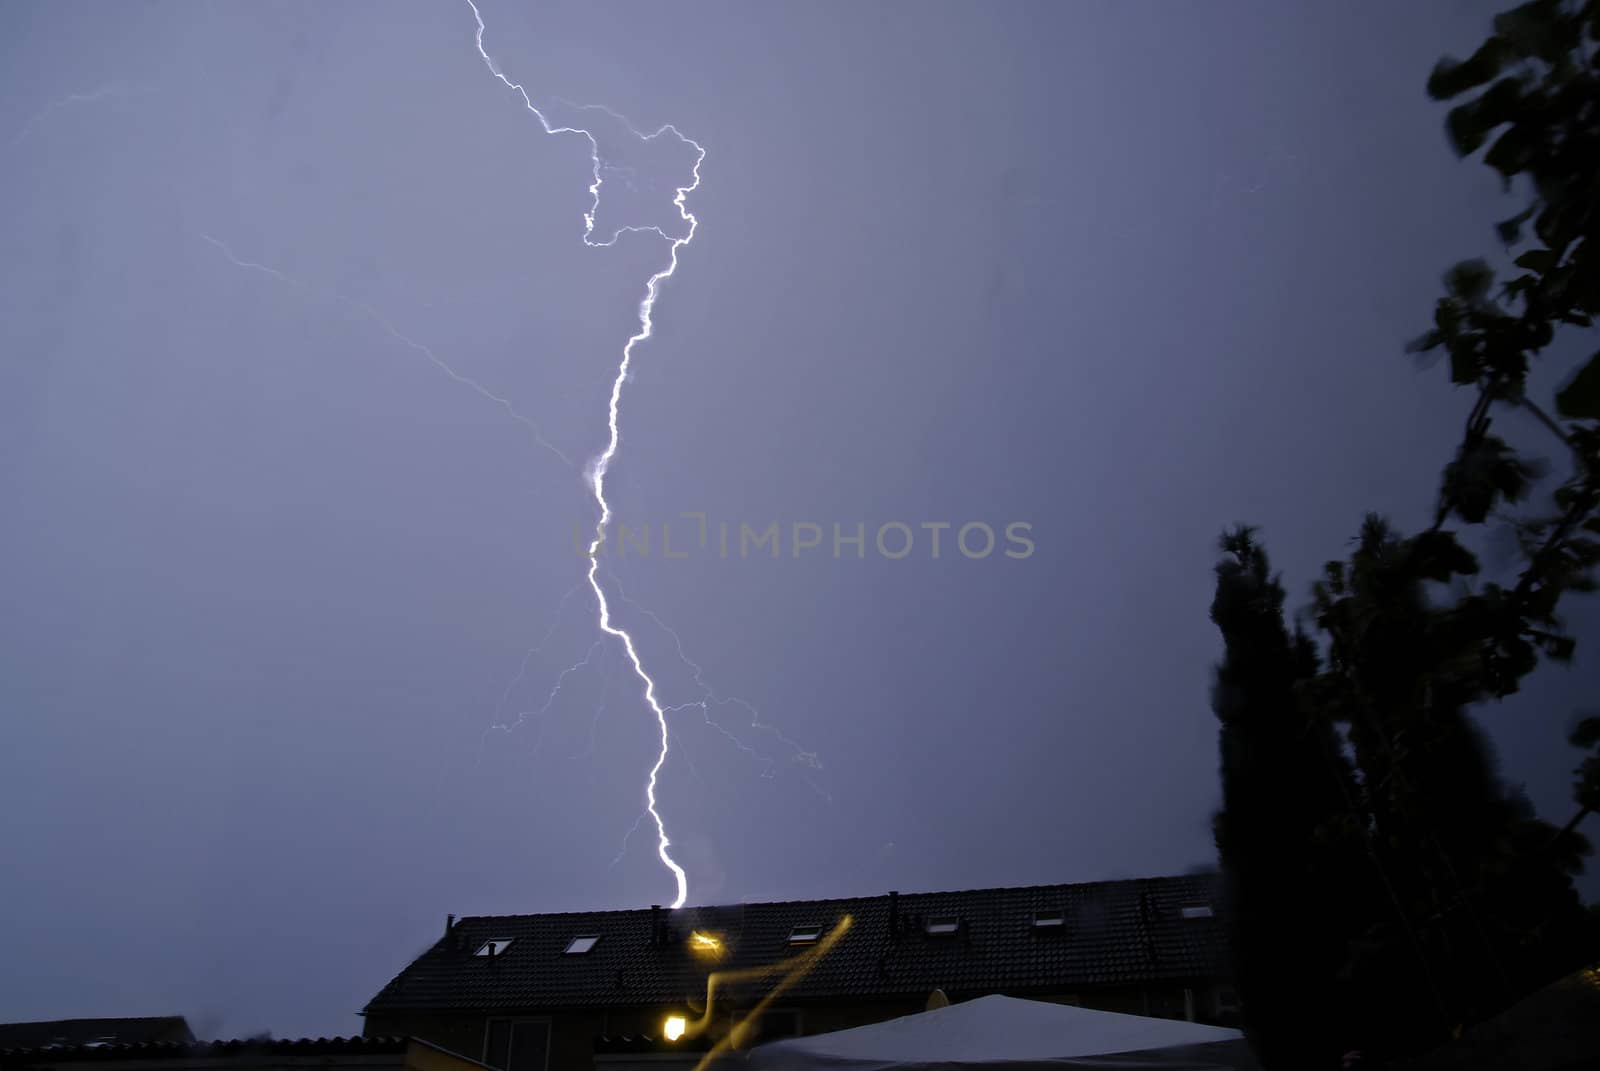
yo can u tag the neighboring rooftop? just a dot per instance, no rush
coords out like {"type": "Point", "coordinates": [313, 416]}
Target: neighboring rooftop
{"type": "Point", "coordinates": [145, 1030]}
{"type": "Point", "coordinates": [1110, 933]}
{"type": "Point", "coordinates": [258, 1054]}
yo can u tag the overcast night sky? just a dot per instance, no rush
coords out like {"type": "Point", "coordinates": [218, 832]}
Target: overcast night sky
{"type": "Point", "coordinates": [290, 292]}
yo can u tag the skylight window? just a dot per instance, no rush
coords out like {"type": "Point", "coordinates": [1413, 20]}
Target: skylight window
{"type": "Point", "coordinates": [942, 925]}
{"type": "Point", "coordinates": [582, 944]}
{"type": "Point", "coordinates": [1197, 911]}
{"type": "Point", "coordinates": [805, 935]}
{"type": "Point", "coordinates": [493, 948]}
{"type": "Point", "coordinates": [1049, 920]}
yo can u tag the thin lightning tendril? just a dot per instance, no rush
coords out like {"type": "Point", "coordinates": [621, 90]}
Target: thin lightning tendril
{"type": "Point", "coordinates": [599, 709]}
{"type": "Point", "coordinates": [709, 698]}
{"type": "Point", "coordinates": [527, 656]}
{"type": "Point", "coordinates": [103, 93]}
{"type": "Point", "coordinates": [388, 327]}
{"type": "Point", "coordinates": [601, 464]}
{"type": "Point", "coordinates": [549, 701]}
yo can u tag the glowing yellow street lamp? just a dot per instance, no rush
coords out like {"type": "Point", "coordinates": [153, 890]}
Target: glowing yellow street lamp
{"type": "Point", "coordinates": [674, 1027]}
{"type": "Point", "coordinates": [705, 944]}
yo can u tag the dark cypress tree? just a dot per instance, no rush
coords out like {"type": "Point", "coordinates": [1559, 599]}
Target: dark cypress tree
{"type": "Point", "coordinates": [1283, 833]}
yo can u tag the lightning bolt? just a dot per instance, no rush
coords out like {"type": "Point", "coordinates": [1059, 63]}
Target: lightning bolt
{"type": "Point", "coordinates": [601, 464]}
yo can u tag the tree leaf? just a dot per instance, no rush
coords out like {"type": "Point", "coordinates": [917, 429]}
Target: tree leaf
{"type": "Point", "coordinates": [1529, 30]}
{"type": "Point", "coordinates": [1580, 398]}
{"type": "Point", "coordinates": [1438, 556]}
{"type": "Point", "coordinates": [1466, 129]}
{"type": "Point", "coordinates": [1511, 229]}
{"type": "Point", "coordinates": [1428, 340]}
{"type": "Point", "coordinates": [1453, 77]}
{"type": "Point", "coordinates": [1539, 260]}
{"type": "Point", "coordinates": [1469, 280]}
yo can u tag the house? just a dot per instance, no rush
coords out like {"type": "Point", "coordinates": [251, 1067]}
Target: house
{"type": "Point", "coordinates": [538, 992]}
{"type": "Point", "coordinates": [321, 1054]}
{"type": "Point", "coordinates": [141, 1031]}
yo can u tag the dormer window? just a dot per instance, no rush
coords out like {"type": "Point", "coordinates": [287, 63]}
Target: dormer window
{"type": "Point", "coordinates": [581, 945]}
{"type": "Point", "coordinates": [942, 925]}
{"type": "Point", "coordinates": [1049, 921]}
{"type": "Point", "coordinates": [493, 948]}
{"type": "Point", "coordinates": [1197, 911]}
{"type": "Point", "coordinates": [805, 935]}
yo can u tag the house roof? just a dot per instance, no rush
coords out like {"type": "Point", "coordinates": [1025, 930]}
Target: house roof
{"type": "Point", "coordinates": [1112, 933]}
{"type": "Point", "coordinates": [322, 1050]}
{"type": "Point", "coordinates": [152, 1028]}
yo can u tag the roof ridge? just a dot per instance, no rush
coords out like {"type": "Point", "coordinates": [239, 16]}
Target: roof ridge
{"type": "Point", "coordinates": [838, 899]}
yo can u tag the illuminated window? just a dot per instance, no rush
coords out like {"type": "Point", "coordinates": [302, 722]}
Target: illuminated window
{"type": "Point", "coordinates": [493, 948]}
{"type": "Point", "coordinates": [805, 935]}
{"type": "Point", "coordinates": [942, 925]}
{"type": "Point", "coordinates": [1197, 911]}
{"type": "Point", "coordinates": [1049, 920]}
{"type": "Point", "coordinates": [579, 945]}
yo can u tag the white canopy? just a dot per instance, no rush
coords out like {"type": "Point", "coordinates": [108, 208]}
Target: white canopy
{"type": "Point", "coordinates": [1017, 1035]}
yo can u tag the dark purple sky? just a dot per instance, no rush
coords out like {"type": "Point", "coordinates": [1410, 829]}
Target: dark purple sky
{"type": "Point", "coordinates": [1125, 272]}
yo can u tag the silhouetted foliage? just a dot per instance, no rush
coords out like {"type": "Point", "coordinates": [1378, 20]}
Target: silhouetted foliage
{"type": "Point", "coordinates": [1286, 787]}
{"type": "Point", "coordinates": [1586, 778]}
{"type": "Point", "coordinates": [1386, 887]}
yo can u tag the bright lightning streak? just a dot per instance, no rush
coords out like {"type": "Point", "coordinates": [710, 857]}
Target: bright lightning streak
{"type": "Point", "coordinates": [602, 462]}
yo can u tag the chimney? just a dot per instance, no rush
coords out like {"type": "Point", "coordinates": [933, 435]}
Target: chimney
{"type": "Point", "coordinates": [894, 915]}
{"type": "Point", "coordinates": [449, 924]}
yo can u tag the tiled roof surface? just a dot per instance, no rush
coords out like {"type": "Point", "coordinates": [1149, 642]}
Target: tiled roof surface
{"type": "Point", "coordinates": [84, 1031]}
{"type": "Point", "coordinates": [1115, 933]}
{"type": "Point", "coordinates": [286, 1047]}
{"type": "Point", "coordinates": [254, 1052]}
